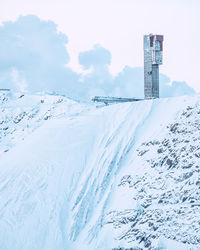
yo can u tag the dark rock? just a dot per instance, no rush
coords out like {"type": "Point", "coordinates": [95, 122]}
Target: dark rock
{"type": "Point", "coordinates": [187, 166]}
{"type": "Point", "coordinates": [197, 155]}
{"type": "Point", "coordinates": [198, 183]}
{"type": "Point", "coordinates": [147, 243]}
{"type": "Point", "coordinates": [165, 142]}
{"type": "Point", "coordinates": [174, 128]}
{"type": "Point", "coordinates": [184, 199]}
{"type": "Point", "coordinates": [155, 228]}
{"type": "Point", "coordinates": [187, 175]}
{"type": "Point", "coordinates": [141, 153]}
{"type": "Point", "coordinates": [160, 150]}
{"type": "Point", "coordinates": [150, 224]}
{"type": "Point", "coordinates": [169, 162]}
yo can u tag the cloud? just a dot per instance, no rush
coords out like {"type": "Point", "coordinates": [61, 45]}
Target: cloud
{"type": "Point", "coordinates": [98, 58]}
{"type": "Point", "coordinates": [18, 80]}
{"type": "Point", "coordinates": [34, 57]}
{"type": "Point", "coordinates": [175, 89]}
{"type": "Point", "coordinates": [99, 80]}
{"type": "Point", "coordinates": [129, 82]}
{"type": "Point", "coordinates": [36, 52]}
{"type": "Point", "coordinates": [31, 42]}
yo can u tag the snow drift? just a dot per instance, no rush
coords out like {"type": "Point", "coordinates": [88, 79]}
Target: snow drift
{"type": "Point", "coordinates": [124, 176]}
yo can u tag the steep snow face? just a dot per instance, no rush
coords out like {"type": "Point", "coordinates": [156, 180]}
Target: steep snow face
{"type": "Point", "coordinates": [124, 176]}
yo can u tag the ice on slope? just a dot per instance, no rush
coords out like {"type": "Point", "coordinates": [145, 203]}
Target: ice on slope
{"type": "Point", "coordinates": [58, 185]}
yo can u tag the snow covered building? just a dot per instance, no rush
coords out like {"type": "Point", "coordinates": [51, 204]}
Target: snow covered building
{"type": "Point", "coordinates": [153, 53]}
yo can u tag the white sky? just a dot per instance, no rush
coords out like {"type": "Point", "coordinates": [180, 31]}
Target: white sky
{"type": "Point", "coordinates": [119, 26]}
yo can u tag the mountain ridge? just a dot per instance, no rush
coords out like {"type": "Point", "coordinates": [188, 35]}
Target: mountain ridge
{"type": "Point", "coordinates": [79, 174]}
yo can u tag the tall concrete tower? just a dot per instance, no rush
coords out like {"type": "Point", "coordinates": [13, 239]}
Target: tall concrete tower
{"type": "Point", "coordinates": [153, 53]}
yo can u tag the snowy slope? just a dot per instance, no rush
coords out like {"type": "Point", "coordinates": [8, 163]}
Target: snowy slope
{"type": "Point", "coordinates": [124, 176]}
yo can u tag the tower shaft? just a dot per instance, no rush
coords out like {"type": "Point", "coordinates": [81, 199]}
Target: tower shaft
{"type": "Point", "coordinates": [153, 46]}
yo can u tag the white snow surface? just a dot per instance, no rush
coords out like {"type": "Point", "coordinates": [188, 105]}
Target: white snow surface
{"type": "Point", "coordinates": [69, 174]}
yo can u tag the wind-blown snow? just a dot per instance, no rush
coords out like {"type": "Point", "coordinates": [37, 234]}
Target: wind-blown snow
{"type": "Point", "coordinates": [72, 175]}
